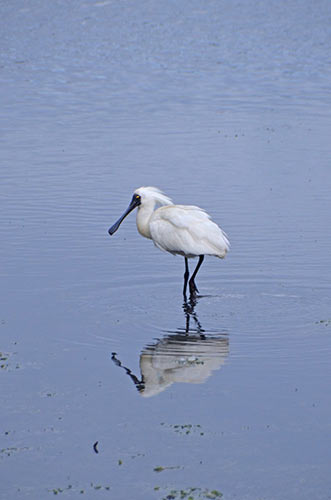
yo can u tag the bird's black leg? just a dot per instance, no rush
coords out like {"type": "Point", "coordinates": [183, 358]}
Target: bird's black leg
{"type": "Point", "coordinates": [193, 287]}
{"type": "Point", "coordinates": [186, 276]}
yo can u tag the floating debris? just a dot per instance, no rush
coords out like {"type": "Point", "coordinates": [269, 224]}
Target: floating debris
{"type": "Point", "coordinates": [57, 491]}
{"type": "Point", "coordinates": [185, 428]}
{"type": "Point", "coordinates": [170, 467]}
{"type": "Point", "coordinates": [192, 494]}
{"type": "Point", "coordinates": [325, 322]}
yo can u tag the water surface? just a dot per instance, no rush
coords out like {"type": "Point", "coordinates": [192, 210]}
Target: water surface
{"type": "Point", "coordinates": [112, 385]}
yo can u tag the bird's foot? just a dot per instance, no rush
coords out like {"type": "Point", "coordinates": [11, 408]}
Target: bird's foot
{"type": "Point", "coordinates": [193, 289]}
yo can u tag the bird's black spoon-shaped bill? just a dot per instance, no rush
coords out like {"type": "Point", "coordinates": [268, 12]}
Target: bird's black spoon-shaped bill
{"type": "Point", "coordinates": [134, 203]}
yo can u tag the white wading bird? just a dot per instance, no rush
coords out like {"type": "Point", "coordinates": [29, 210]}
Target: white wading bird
{"type": "Point", "coordinates": [179, 229]}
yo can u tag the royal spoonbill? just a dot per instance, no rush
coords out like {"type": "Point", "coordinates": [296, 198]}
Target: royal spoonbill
{"type": "Point", "coordinates": [184, 230]}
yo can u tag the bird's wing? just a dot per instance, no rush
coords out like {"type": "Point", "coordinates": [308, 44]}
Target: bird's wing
{"type": "Point", "coordinates": [187, 230]}
{"type": "Point", "coordinates": [181, 216]}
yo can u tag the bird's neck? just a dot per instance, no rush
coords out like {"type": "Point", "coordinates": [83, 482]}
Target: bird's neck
{"type": "Point", "coordinates": [143, 217]}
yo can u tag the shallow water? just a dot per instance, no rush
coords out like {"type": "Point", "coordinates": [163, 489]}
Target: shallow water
{"type": "Point", "coordinates": [224, 105]}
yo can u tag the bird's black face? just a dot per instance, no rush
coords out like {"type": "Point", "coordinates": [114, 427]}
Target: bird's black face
{"type": "Point", "coordinates": [136, 198]}
{"type": "Point", "coordinates": [135, 202]}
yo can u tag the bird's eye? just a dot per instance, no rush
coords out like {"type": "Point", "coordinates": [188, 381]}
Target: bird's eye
{"type": "Point", "coordinates": [137, 197]}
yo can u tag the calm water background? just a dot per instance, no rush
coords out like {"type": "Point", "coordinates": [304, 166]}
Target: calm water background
{"type": "Point", "coordinates": [221, 104]}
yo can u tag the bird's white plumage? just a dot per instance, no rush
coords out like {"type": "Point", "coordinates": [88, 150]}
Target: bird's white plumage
{"type": "Point", "coordinates": [179, 229]}
{"type": "Point", "coordinates": [154, 195]}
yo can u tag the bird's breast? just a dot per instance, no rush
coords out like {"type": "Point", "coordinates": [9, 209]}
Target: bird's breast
{"type": "Point", "coordinates": [143, 224]}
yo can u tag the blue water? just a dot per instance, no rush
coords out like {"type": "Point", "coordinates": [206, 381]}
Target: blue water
{"type": "Point", "coordinates": [225, 105]}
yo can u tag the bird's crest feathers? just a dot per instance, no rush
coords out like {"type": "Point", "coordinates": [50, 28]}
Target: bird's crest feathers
{"type": "Point", "coordinates": [153, 193]}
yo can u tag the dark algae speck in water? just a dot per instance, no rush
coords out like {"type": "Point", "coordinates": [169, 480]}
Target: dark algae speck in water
{"type": "Point", "coordinates": [192, 494]}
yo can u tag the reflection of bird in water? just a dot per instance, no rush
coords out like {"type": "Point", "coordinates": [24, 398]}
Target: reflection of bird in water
{"type": "Point", "coordinates": [179, 229]}
{"type": "Point", "coordinates": [189, 310]}
{"type": "Point", "coordinates": [188, 357]}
